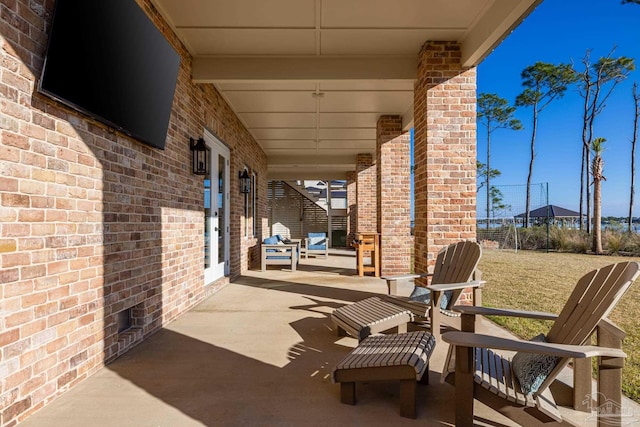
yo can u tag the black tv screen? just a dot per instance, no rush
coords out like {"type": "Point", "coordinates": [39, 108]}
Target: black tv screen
{"type": "Point", "coordinates": [107, 59]}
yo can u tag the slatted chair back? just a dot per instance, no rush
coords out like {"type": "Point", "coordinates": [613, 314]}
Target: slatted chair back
{"type": "Point", "coordinates": [456, 263]}
{"type": "Point", "coordinates": [594, 297]}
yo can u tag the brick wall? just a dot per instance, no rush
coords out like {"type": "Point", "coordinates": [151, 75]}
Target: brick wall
{"type": "Point", "coordinates": [93, 222]}
{"type": "Point", "coordinates": [444, 151]}
{"type": "Point", "coordinates": [393, 160]}
{"type": "Point", "coordinates": [366, 193]}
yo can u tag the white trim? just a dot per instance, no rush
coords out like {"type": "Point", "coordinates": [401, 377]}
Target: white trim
{"type": "Point", "coordinates": [218, 270]}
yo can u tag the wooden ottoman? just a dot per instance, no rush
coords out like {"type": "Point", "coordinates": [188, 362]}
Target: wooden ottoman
{"type": "Point", "coordinates": [370, 316]}
{"type": "Point", "coordinates": [403, 357]}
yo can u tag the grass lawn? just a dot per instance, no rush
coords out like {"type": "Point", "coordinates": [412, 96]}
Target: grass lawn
{"type": "Point", "coordinates": [540, 281]}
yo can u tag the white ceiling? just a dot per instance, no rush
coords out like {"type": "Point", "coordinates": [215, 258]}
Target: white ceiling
{"type": "Point", "coordinates": [309, 78]}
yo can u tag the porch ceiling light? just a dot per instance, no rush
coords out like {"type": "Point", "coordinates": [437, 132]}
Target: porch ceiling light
{"type": "Point", "coordinates": [245, 182]}
{"type": "Point", "coordinates": [199, 156]}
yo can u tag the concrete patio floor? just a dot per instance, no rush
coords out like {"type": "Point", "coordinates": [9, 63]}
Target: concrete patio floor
{"type": "Point", "coordinates": [259, 353]}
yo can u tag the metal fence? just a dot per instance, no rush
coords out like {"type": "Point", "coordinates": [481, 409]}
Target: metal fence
{"type": "Point", "coordinates": [500, 223]}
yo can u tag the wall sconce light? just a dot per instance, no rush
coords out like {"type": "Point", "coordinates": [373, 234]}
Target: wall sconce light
{"type": "Point", "coordinates": [245, 182]}
{"type": "Point", "coordinates": [200, 156]}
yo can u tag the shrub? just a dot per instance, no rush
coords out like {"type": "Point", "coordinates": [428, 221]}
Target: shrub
{"type": "Point", "coordinates": [579, 242]}
{"type": "Point", "coordinates": [532, 238]}
{"type": "Point", "coordinates": [632, 243]}
{"type": "Point", "coordinates": [559, 238]}
{"type": "Point", "coordinates": [614, 241]}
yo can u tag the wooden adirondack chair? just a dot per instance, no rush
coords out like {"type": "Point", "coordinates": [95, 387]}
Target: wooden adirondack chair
{"type": "Point", "coordinates": [479, 370]}
{"type": "Point", "coordinates": [453, 271]}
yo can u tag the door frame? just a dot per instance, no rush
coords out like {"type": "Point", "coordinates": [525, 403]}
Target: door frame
{"type": "Point", "coordinates": [218, 148]}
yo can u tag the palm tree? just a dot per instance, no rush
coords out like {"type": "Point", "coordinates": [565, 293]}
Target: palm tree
{"type": "Point", "coordinates": [597, 168]}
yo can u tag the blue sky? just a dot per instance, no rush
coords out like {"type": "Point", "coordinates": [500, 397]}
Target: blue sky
{"type": "Point", "coordinates": [562, 31]}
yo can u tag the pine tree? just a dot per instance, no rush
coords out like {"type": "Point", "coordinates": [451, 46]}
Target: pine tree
{"type": "Point", "coordinates": [543, 83]}
{"type": "Point", "coordinates": [494, 113]}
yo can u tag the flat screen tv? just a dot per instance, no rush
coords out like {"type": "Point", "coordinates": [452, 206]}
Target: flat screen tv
{"type": "Point", "coordinates": [107, 59]}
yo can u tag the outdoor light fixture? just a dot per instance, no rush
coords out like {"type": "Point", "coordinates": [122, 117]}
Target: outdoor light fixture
{"type": "Point", "coordinates": [200, 156]}
{"type": "Point", "coordinates": [245, 182]}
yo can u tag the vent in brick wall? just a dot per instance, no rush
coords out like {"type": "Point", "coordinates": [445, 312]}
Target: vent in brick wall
{"type": "Point", "coordinates": [123, 320]}
{"type": "Point", "coordinates": [130, 328]}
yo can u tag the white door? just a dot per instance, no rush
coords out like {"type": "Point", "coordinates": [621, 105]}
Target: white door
{"type": "Point", "coordinates": [216, 212]}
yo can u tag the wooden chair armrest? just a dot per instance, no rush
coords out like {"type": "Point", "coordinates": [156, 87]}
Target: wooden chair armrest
{"type": "Point", "coordinates": [453, 286]}
{"type": "Point", "coordinates": [469, 339]}
{"type": "Point", "coordinates": [406, 276]}
{"type": "Point", "coordinates": [392, 281]}
{"type": "Point", "coordinates": [487, 311]}
{"type": "Point", "coordinates": [403, 277]}
{"type": "Point", "coordinates": [280, 246]}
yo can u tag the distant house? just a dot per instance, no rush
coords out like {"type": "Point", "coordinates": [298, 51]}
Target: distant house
{"type": "Point", "coordinates": [554, 215]}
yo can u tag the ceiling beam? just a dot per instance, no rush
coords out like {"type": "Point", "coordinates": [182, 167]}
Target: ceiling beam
{"type": "Point", "coordinates": [407, 118]}
{"type": "Point", "coordinates": [303, 174]}
{"type": "Point", "coordinates": [211, 70]}
{"type": "Point", "coordinates": [331, 161]}
{"type": "Point", "coordinates": [502, 17]}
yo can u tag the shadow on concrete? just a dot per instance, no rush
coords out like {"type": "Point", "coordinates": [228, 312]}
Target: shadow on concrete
{"type": "Point", "coordinates": [315, 268]}
{"type": "Point", "coordinates": [306, 289]}
{"type": "Point", "coordinates": [219, 387]}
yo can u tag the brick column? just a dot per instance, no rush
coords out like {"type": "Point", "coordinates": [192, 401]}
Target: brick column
{"type": "Point", "coordinates": [352, 207]}
{"type": "Point", "coordinates": [366, 193]}
{"type": "Point", "coordinates": [393, 160]}
{"type": "Point", "coordinates": [444, 151]}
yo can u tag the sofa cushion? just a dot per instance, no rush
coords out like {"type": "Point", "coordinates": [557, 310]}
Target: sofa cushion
{"type": "Point", "coordinates": [272, 240]}
{"type": "Point", "coordinates": [319, 240]}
